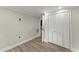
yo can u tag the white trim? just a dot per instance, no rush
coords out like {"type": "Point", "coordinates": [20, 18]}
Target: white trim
{"type": "Point", "coordinates": [17, 44]}
{"type": "Point", "coordinates": [70, 28]}
{"type": "Point", "coordinates": [74, 50]}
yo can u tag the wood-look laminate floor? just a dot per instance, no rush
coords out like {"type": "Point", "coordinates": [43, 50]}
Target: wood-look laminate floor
{"type": "Point", "coordinates": [36, 45]}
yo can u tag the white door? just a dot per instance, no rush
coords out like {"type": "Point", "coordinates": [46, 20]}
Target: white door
{"type": "Point", "coordinates": [66, 41]}
{"type": "Point", "coordinates": [59, 29]}
{"type": "Point", "coordinates": [52, 29]}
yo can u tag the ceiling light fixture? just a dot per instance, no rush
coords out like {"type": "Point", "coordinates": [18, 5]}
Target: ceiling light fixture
{"type": "Point", "coordinates": [60, 11]}
{"type": "Point", "coordinates": [59, 7]}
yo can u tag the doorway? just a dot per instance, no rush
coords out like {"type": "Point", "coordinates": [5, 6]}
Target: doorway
{"type": "Point", "coordinates": [41, 28]}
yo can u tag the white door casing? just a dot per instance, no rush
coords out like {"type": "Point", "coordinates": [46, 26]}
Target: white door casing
{"type": "Point", "coordinates": [43, 33]}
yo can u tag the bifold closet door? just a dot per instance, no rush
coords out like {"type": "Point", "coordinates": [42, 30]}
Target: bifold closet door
{"type": "Point", "coordinates": [52, 29]}
{"type": "Point", "coordinates": [66, 41]}
{"type": "Point", "coordinates": [59, 29]}
{"type": "Point", "coordinates": [63, 30]}
{"type": "Point", "coordinates": [55, 29]}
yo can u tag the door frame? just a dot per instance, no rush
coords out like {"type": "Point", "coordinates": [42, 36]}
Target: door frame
{"type": "Point", "coordinates": [70, 29]}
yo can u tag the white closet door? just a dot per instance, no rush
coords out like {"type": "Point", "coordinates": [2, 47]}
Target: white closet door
{"type": "Point", "coordinates": [52, 29]}
{"type": "Point", "coordinates": [66, 41]}
{"type": "Point", "coordinates": [59, 29]}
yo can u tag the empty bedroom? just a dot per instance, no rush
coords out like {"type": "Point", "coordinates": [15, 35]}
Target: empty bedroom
{"type": "Point", "coordinates": [39, 28]}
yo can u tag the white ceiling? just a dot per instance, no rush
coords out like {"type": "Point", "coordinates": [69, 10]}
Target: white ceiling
{"type": "Point", "coordinates": [34, 10]}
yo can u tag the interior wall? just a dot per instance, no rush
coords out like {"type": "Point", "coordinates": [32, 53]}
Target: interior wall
{"type": "Point", "coordinates": [11, 28]}
{"type": "Point", "coordinates": [75, 28]}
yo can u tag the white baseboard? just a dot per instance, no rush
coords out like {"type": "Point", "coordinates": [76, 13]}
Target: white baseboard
{"type": "Point", "coordinates": [75, 50]}
{"type": "Point", "coordinates": [17, 44]}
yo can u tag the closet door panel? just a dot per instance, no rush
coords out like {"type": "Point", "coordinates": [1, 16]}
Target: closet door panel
{"type": "Point", "coordinates": [66, 30]}
{"type": "Point", "coordinates": [54, 29]}
{"type": "Point", "coordinates": [59, 28]}
{"type": "Point", "coordinates": [50, 28]}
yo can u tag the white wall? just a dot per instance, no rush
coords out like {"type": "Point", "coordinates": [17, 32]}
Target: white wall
{"type": "Point", "coordinates": [75, 28]}
{"type": "Point", "coordinates": [11, 27]}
